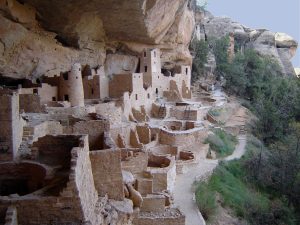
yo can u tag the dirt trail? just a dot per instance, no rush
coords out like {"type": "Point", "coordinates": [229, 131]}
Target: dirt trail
{"type": "Point", "coordinates": [184, 193]}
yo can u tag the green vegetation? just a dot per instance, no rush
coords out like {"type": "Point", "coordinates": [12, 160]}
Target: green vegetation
{"type": "Point", "coordinates": [262, 187]}
{"type": "Point", "coordinates": [220, 50]}
{"type": "Point", "coordinates": [200, 52]}
{"type": "Point", "coordinates": [206, 201]}
{"type": "Point", "coordinates": [214, 112]}
{"type": "Point", "coordinates": [273, 98]}
{"type": "Point", "coordinates": [201, 4]}
{"type": "Point", "coordinates": [233, 182]}
{"type": "Point", "coordinates": [221, 142]}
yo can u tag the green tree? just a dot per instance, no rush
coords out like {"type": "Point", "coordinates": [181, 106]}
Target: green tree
{"type": "Point", "coordinates": [220, 50]}
{"type": "Point", "coordinates": [200, 51]}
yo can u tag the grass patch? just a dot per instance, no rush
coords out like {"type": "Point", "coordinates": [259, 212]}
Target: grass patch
{"type": "Point", "coordinates": [221, 142]}
{"type": "Point", "coordinates": [248, 201]}
{"type": "Point", "coordinates": [206, 201]}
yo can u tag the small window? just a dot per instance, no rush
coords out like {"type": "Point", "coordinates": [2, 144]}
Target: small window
{"type": "Point", "coordinates": [35, 91]}
{"type": "Point", "coordinates": [148, 96]}
{"type": "Point", "coordinates": [76, 77]}
{"type": "Point", "coordinates": [156, 90]}
{"type": "Point", "coordinates": [154, 53]}
{"type": "Point", "coordinates": [146, 68]}
{"type": "Point", "coordinates": [66, 76]}
{"type": "Point", "coordinates": [136, 97]}
{"type": "Point", "coordinates": [53, 99]}
{"type": "Point", "coordinates": [92, 91]}
{"type": "Point", "coordinates": [157, 77]}
{"type": "Point", "coordinates": [145, 54]}
{"type": "Point", "coordinates": [66, 97]}
{"type": "Point", "coordinates": [186, 71]}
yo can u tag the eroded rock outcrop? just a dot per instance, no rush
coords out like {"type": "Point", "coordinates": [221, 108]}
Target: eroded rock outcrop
{"type": "Point", "coordinates": [279, 46]}
{"type": "Point", "coordinates": [46, 37]}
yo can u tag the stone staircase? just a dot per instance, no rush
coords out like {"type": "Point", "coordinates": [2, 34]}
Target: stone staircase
{"type": "Point", "coordinates": [243, 130]}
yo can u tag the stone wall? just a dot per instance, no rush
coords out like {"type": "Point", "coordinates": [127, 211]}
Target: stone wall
{"type": "Point", "coordinates": [30, 103]}
{"type": "Point", "coordinates": [180, 138]}
{"type": "Point", "coordinates": [183, 113]}
{"type": "Point", "coordinates": [144, 134]}
{"type": "Point", "coordinates": [134, 160]}
{"type": "Point", "coordinates": [75, 204]}
{"type": "Point", "coordinates": [107, 172]}
{"type": "Point", "coordinates": [91, 87]}
{"type": "Point", "coordinates": [165, 150]}
{"type": "Point", "coordinates": [167, 217]}
{"type": "Point", "coordinates": [71, 86]}
{"type": "Point", "coordinates": [119, 84]}
{"type": "Point", "coordinates": [11, 126]}
{"type": "Point", "coordinates": [84, 181]}
{"type": "Point", "coordinates": [110, 111]}
{"type": "Point", "coordinates": [163, 171]}
{"type": "Point", "coordinates": [153, 203]}
{"type": "Point", "coordinates": [95, 129]}
{"type": "Point", "coordinates": [45, 128]}
{"type": "Point", "coordinates": [46, 92]}
{"type": "Point", "coordinates": [75, 111]}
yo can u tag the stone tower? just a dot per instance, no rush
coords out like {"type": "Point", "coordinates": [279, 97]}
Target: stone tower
{"type": "Point", "coordinates": [150, 64]}
{"type": "Point", "coordinates": [71, 86]}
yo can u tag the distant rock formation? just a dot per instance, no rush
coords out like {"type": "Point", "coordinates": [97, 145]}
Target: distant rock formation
{"type": "Point", "coordinates": [279, 46]}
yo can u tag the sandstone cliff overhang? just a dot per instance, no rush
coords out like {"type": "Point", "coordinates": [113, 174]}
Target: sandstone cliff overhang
{"type": "Point", "coordinates": [46, 37]}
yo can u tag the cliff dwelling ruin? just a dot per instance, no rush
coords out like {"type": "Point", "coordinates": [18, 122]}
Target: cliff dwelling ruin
{"type": "Point", "coordinates": [101, 143]}
{"type": "Point", "coordinates": [81, 147]}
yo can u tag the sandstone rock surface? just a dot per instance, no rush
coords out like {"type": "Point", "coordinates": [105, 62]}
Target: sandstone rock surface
{"type": "Point", "coordinates": [278, 46]}
{"type": "Point", "coordinates": [46, 37]}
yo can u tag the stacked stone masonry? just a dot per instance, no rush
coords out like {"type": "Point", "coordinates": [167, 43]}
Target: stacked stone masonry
{"type": "Point", "coordinates": [93, 146]}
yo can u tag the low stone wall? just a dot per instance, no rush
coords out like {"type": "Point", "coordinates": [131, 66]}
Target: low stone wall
{"type": "Point", "coordinates": [110, 111]}
{"type": "Point", "coordinates": [181, 113]}
{"type": "Point", "coordinates": [153, 203]}
{"type": "Point", "coordinates": [165, 150]}
{"type": "Point", "coordinates": [74, 204]}
{"type": "Point", "coordinates": [134, 160]}
{"type": "Point", "coordinates": [182, 138]}
{"type": "Point", "coordinates": [95, 129]}
{"type": "Point", "coordinates": [167, 217]}
{"type": "Point", "coordinates": [163, 171]}
{"type": "Point", "coordinates": [74, 111]}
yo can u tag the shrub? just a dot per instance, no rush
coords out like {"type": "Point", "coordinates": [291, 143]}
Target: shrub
{"type": "Point", "coordinates": [200, 52]}
{"type": "Point", "coordinates": [247, 201]}
{"type": "Point", "coordinates": [206, 201]}
{"type": "Point", "coordinates": [221, 142]}
{"type": "Point", "coordinates": [214, 112]}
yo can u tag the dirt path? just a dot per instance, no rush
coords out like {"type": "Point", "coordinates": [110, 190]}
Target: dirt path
{"type": "Point", "coordinates": [239, 149]}
{"type": "Point", "coordinates": [184, 193]}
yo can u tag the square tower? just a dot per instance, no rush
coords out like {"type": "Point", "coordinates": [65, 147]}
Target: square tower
{"type": "Point", "coordinates": [150, 64]}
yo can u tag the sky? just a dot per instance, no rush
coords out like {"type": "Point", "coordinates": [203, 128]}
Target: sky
{"type": "Point", "coordinates": [276, 16]}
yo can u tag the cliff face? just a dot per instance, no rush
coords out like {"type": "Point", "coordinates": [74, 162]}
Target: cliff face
{"type": "Point", "coordinates": [46, 37]}
{"type": "Point", "coordinates": [279, 46]}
